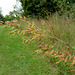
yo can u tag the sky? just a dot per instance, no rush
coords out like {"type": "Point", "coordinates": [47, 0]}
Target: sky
{"type": "Point", "coordinates": [7, 6]}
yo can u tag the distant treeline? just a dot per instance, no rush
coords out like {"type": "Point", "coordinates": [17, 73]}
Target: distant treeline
{"type": "Point", "coordinates": [44, 8]}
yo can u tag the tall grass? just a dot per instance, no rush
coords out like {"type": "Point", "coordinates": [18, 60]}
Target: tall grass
{"type": "Point", "coordinates": [53, 37]}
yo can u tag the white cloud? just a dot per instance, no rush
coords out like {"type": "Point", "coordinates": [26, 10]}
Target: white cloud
{"type": "Point", "coordinates": [7, 6]}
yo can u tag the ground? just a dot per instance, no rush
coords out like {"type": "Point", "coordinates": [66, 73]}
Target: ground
{"type": "Point", "coordinates": [19, 59]}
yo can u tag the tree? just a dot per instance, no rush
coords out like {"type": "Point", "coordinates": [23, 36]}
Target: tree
{"type": "Point", "coordinates": [67, 6]}
{"type": "Point", "coordinates": [18, 9]}
{"type": "Point", "coordinates": [11, 16]}
{"type": "Point", "coordinates": [39, 7]}
{"type": "Point", "coordinates": [1, 16]}
{"type": "Point", "coordinates": [45, 7]}
{"type": "Point", "coordinates": [7, 18]}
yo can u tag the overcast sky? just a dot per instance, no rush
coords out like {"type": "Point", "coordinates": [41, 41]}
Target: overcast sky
{"type": "Point", "coordinates": [7, 6]}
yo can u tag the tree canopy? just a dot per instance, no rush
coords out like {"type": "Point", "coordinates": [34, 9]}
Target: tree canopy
{"type": "Point", "coordinates": [45, 7]}
{"type": "Point", "coordinates": [39, 7]}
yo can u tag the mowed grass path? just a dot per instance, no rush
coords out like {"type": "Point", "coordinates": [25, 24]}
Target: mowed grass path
{"type": "Point", "coordinates": [19, 59]}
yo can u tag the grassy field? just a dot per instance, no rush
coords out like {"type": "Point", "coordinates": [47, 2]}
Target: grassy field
{"type": "Point", "coordinates": [19, 59]}
{"type": "Point", "coordinates": [38, 47]}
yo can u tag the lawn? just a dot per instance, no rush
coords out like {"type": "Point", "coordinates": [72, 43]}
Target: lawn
{"type": "Point", "coordinates": [19, 59]}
